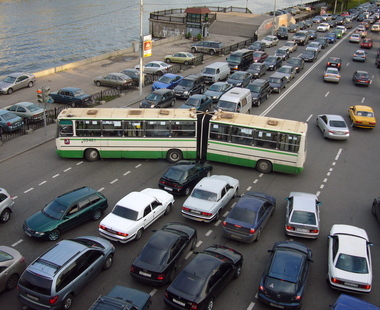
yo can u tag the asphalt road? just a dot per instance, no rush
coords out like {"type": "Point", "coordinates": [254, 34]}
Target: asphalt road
{"type": "Point", "coordinates": [342, 173]}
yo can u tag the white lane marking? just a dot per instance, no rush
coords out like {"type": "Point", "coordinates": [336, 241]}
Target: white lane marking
{"type": "Point", "coordinates": [154, 291]}
{"type": "Point", "coordinates": [54, 176]}
{"type": "Point", "coordinates": [188, 255]}
{"type": "Point", "coordinates": [309, 118]}
{"type": "Point", "coordinates": [81, 162]}
{"type": "Point", "coordinates": [217, 223]}
{"type": "Point", "coordinates": [251, 305]}
{"type": "Point", "coordinates": [42, 183]}
{"type": "Point", "coordinates": [128, 172]}
{"type": "Point", "coordinates": [17, 243]}
{"type": "Point", "coordinates": [67, 169]}
{"type": "Point", "coordinates": [199, 243]}
{"type": "Point", "coordinates": [100, 189]}
{"type": "Point", "coordinates": [114, 181]}
{"type": "Point", "coordinates": [28, 190]}
{"type": "Point", "coordinates": [208, 233]}
{"type": "Point", "coordinates": [138, 166]}
{"type": "Point", "coordinates": [327, 94]}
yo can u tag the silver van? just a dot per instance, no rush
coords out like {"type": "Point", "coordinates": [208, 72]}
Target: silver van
{"type": "Point", "coordinates": [217, 71]}
{"type": "Point", "coordinates": [236, 100]}
{"type": "Point", "coordinates": [52, 280]}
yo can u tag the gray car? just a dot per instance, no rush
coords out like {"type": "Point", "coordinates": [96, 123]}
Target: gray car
{"type": "Point", "coordinates": [55, 277]}
{"type": "Point", "coordinates": [12, 265]}
{"type": "Point", "coordinates": [302, 215]}
{"type": "Point", "coordinates": [288, 71]}
{"type": "Point", "coordinates": [27, 110]}
{"type": "Point", "coordinates": [6, 203]}
{"type": "Point", "coordinates": [118, 80]}
{"type": "Point", "coordinates": [15, 81]}
{"type": "Point", "coordinates": [333, 126]}
{"type": "Point", "coordinates": [216, 90]}
{"type": "Point", "coordinates": [9, 121]}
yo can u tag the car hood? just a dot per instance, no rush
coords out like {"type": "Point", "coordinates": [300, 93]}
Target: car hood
{"type": "Point", "coordinates": [41, 222]}
{"type": "Point", "coordinates": [118, 223]}
{"type": "Point", "coordinates": [199, 204]}
{"type": "Point", "coordinates": [5, 85]}
{"type": "Point", "coordinates": [160, 85]}
{"type": "Point", "coordinates": [181, 88]}
{"type": "Point", "coordinates": [185, 106]}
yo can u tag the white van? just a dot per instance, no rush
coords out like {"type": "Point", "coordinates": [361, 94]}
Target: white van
{"type": "Point", "coordinates": [236, 100]}
{"type": "Point", "coordinates": [215, 72]}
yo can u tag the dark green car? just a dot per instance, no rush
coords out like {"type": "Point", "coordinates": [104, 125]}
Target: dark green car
{"type": "Point", "coordinates": [65, 212]}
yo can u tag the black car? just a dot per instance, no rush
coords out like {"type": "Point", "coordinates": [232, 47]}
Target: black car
{"type": "Point", "coordinates": [183, 176]}
{"type": "Point", "coordinates": [162, 256]}
{"type": "Point", "coordinates": [190, 85]}
{"type": "Point", "coordinates": [134, 74]}
{"type": "Point", "coordinates": [273, 62]}
{"type": "Point", "coordinates": [282, 33]}
{"type": "Point", "coordinates": [376, 208]}
{"type": "Point", "coordinates": [257, 70]}
{"type": "Point", "coordinates": [257, 46]}
{"type": "Point", "coordinates": [296, 62]}
{"type": "Point", "coordinates": [216, 90]}
{"type": "Point", "coordinates": [71, 95]}
{"type": "Point", "coordinates": [324, 41]}
{"type": "Point", "coordinates": [199, 102]}
{"type": "Point", "coordinates": [313, 34]}
{"type": "Point", "coordinates": [335, 62]}
{"type": "Point", "coordinates": [260, 91]}
{"type": "Point", "coordinates": [160, 98]}
{"type": "Point", "coordinates": [240, 79]}
{"type": "Point", "coordinates": [309, 55]}
{"type": "Point", "coordinates": [204, 278]}
{"type": "Point", "coordinates": [246, 221]}
{"type": "Point", "coordinates": [277, 82]}
{"type": "Point", "coordinates": [284, 279]}
{"type": "Point", "coordinates": [361, 78]}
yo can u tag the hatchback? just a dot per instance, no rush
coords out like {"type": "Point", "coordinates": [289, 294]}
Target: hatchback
{"type": "Point", "coordinates": [270, 41]}
{"type": "Point", "coordinates": [159, 98]}
{"type": "Point", "coordinates": [15, 81]}
{"type": "Point", "coordinates": [257, 70]}
{"type": "Point", "coordinates": [273, 62]}
{"type": "Point", "coordinates": [361, 77]}
{"type": "Point", "coordinates": [6, 204]}
{"type": "Point", "coordinates": [168, 80]}
{"type": "Point", "coordinates": [12, 265]}
{"type": "Point", "coordinates": [257, 46]}
{"type": "Point", "coordinates": [9, 121]}
{"type": "Point", "coordinates": [366, 43]}
{"type": "Point", "coordinates": [277, 82]}
{"type": "Point", "coordinates": [65, 212]}
{"type": "Point", "coordinates": [333, 126]}
{"type": "Point", "coordinates": [302, 217]}
{"type": "Point", "coordinates": [240, 79]}
{"type": "Point", "coordinates": [54, 278]}
{"type": "Point", "coordinates": [296, 62]}
{"type": "Point", "coordinates": [260, 91]}
{"type": "Point", "coordinates": [216, 90]}
{"type": "Point", "coordinates": [260, 56]}
{"type": "Point", "coordinates": [291, 45]}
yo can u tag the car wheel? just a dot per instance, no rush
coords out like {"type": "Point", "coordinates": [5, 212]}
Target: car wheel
{"type": "Point", "coordinates": [9, 91]}
{"type": "Point", "coordinates": [264, 166]}
{"type": "Point", "coordinates": [159, 73]}
{"type": "Point", "coordinates": [187, 191]}
{"type": "Point", "coordinates": [54, 235]}
{"type": "Point", "coordinates": [168, 60]}
{"type": "Point", "coordinates": [217, 216]}
{"type": "Point", "coordinates": [1, 130]}
{"type": "Point", "coordinates": [12, 282]}
{"type": "Point", "coordinates": [108, 263]}
{"type": "Point", "coordinates": [67, 302]}
{"type": "Point", "coordinates": [174, 156]}
{"type": "Point", "coordinates": [5, 215]}
{"type": "Point", "coordinates": [212, 52]}
{"type": "Point", "coordinates": [373, 209]}
{"type": "Point", "coordinates": [274, 209]}
{"type": "Point", "coordinates": [210, 304]}
{"type": "Point", "coordinates": [258, 103]}
{"type": "Point", "coordinates": [91, 155]}
{"type": "Point", "coordinates": [73, 104]}
{"type": "Point", "coordinates": [193, 49]}
{"type": "Point", "coordinates": [238, 271]}
{"type": "Point", "coordinates": [139, 234]}
{"type": "Point", "coordinates": [168, 209]}
{"type": "Point", "coordinates": [97, 214]}
{"type": "Point", "coordinates": [193, 243]}
{"type": "Point", "coordinates": [98, 83]}
{"type": "Point", "coordinates": [30, 84]}
{"type": "Point", "coordinates": [172, 103]}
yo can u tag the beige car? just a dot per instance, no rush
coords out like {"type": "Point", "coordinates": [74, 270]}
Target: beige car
{"type": "Point", "coordinates": [12, 265]}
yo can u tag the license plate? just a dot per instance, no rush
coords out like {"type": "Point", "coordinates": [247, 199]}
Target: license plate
{"type": "Point", "coordinates": [145, 274]}
{"type": "Point", "coordinates": [351, 284]}
{"type": "Point", "coordinates": [29, 234]}
{"type": "Point", "coordinates": [168, 188]}
{"type": "Point", "coordinates": [32, 297]}
{"type": "Point", "coordinates": [276, 306]}
{"type": "Point", "coordinates": [235, 236]}
{"type": "Point", "coordinates": [179, 302]}
{"type": "Point", "coordinates": [195, 212]}
{"type": "Point", "coordinates": [302, 230]}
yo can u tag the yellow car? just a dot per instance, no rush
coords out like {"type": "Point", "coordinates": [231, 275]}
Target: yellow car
{"type": "Point", "coordinates": [362, 116]}
{"type": "Point", "coordinates": [181, 57]}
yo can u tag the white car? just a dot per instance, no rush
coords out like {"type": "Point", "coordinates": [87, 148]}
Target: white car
{"type": "Point", "coordinates": [157, 67]}
{"type": "Point", "coordinates": [323, 27]}
{"type": "Point", "coordinates": [6, 203]}
{"type": "Point", "coordinates": [291, 45]}
{"type": "Point", "coordinates": [270, 41]}
{"type": "Point", "coordinates": [302, 215]}
{"type": "Point", "coordinates": [355, 38]}
{"type": "Point", "coordinates": [134, 213]}
{"type": "Point", "coordinates": [349, 259]}
{"type": "Point", "coordinates": [208, 197]}
{"type": "Point", "coordinates": [340, 27]}
{"type": "Point", "coordinates": [315, 45]}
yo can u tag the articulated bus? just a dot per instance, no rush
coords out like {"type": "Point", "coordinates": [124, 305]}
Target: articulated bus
{"type": "Point", "coordinates": [265, 143]}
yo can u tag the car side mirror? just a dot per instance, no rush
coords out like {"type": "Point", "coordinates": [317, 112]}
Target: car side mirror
{"type": "Point", "coordinates": [287, 198]}
{"type": "Point", "coordinates": [270, 251]}
{"type": "Point", "coordinates": [319, 203]}
{"type": "Point", "coordinates": [329, 237]}
{"type": "Point", "coordinates": [370, 243]}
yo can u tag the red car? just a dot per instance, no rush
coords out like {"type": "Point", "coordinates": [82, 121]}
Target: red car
{"type": "Point", "coordinates": [366, 43]}
{"type": "Point", "coordinates": [259, 56]}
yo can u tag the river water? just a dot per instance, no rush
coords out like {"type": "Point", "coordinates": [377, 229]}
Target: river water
{"type": "Point", "coordinates": [41, 34]}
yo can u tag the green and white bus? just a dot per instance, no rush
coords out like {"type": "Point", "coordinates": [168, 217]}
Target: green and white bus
{"type": "Point", "coordinates": [265, 143]}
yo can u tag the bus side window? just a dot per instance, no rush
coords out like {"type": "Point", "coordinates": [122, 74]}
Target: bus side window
{"type": "Point", "coordinates": [219, 132]}
{"type": "Point", "coordinates": [266, 139]}
{"type": "Point", "coordinates": [66, 131]}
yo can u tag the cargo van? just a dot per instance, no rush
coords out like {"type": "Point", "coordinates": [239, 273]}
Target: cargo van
{"type": "Point", "coordinates": [240, 60]}
{"type": "Point", "coordinates": [236, 100]}
{"type": "Point", "coordinates": [217, 71]}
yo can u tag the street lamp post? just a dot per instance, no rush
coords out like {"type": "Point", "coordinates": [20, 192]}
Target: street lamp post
{"type": "Point", "coordinates": [274, 17]}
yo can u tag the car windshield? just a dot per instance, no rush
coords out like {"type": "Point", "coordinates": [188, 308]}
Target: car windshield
{"type": "Point", "coordinates": [153, 97]}
{"type": "Point", "coordinates": [234, 58]}
{"type": "Point", "coordinates": [257, 54]}
{"type": "Point", "coordinates": [274, 80]}
{"type": "Point", "coordinates": [279, 285]}
{"type": "Point", "coordinates": [303, 217]}
{"type": "Point", "coordinates": [175, 175]}
{"type": "Point", "coordinates": [268, 39]}
{"type": "Point", "coordinates": [281, 52]}
{"type": "Point", "coordinates": [332, 71]}
{"type": "Point", "coordinates": [78, 93]}
{"type": "Point", "coordinates": [188, 283]}
{"type": "Point", "coordinates": [226, 105]}
{"type": "Point", "coordinates": [237, 76]}
{"type": "Point", "coordinates": [339, 124]}
{"type": "Point", "coordinates": [209, 70]}
{"type": "Point", "coordinates": [255, 67]}
{"type": "Point", "coordinates": [9, 79]}
{"type": "Point", "coordinates": [54, 210]}
{"type": "Point", "coordinates": [192, 102]}
{"type": "Point", "coordinates": [308, 52]}
{"type": "Point", "coordinates": [284, 70]}
{"type": "Point", "coordinates": [293, 61]}
{"type": "Point", "coordinates": [125, 213]}
{"type": "Point", "coordinates": [289, 44]}
{"type": "Point", "coordinates": [204, 195]}
{"type": "Point", "coordinates": [216, 87]}
{"type": "Point", "coordinates": [243, 215]}
{"type": "Point", "coordinates": [165, 79]}
{"type": "Point", "coordinates": [352, 263]}
{"type": "Point", "coordinates": [154, 256]}
{"type": "Point", "coordinates": [271, 59]}
{"type": "Point", "coordinates": [254, 88]}
{"type": "Point", "coordinates": [186, 83]}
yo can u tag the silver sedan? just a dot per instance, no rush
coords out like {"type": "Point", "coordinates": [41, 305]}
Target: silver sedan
{"type": "Point", "coordinates": [331, 75]}
{"type": "Point", "coordinates": [333, 126]}
{"type": "Point", "coordinates": [15, 81]}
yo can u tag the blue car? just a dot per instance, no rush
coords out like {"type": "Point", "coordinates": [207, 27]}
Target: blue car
{"type": "Point", "coordinates": [248, 217]}
{"type": "Point", "coordinates": [347, 302]}
{"type": "Point", "coordinates": [331, 37]}
{"type": "Point", "coordinates": [71, 95]}
{"type": "Point", "coordinates": [9, 121]}
{"type": "Point", "coordinates": [168, 80]}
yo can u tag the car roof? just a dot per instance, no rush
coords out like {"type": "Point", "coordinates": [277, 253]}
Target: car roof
{"type": "Point", "coordinates": [70, 88]}
{"type": "Point", "coordinates": [24, 104]}
{"type": "Point", "coordinates": [198, 96]}
{"type": "Point", "coordinates": [172, 75]}
{"type": "Point", "coordinates": [135, 201]}
{"type": "Point", "coordinates": [348, 302]}
{"type": "Point", "coordinates": [16, 74]}
{"type": "Point", "coordinates": [203, 265]}
{"type": "Point", "coordinates": [211, 184]}
{"type": "Point", "coordinates": [285, 264]}
{"type": "Point", "coordinates": [163, 239]}
{"type": "Point", "coordinates": [162, 91]}
{"type": "Point", "coordinates": [363, 108]}
{"type": "Point", "coordinates": [352, 245]}
{"type": "Point", "coordinates": [69, 198]}
{"type": "Point", "coordinates": [303, 201]}
{"type": "Point", "coordinates": [334, 117]}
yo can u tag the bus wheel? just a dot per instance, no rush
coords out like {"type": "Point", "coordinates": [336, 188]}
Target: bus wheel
{"type": "Point", "coordinates": [174, 156]}
{"type": "Point", "coordinates": [264, 166]}
{"type": "Point", "coordinates": [91, 155]}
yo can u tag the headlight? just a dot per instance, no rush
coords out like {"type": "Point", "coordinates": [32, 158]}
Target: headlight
{"type": "Point", "coordinates": [152, 105]}
{"type": "Point", "coordinates": [39, 233]}
{"type": "Point", "coordinates": [238, 84]}
{"type": "Point", "coordinates": [214, 97]}
{"type": "Point", "coordinates": [186, 93]}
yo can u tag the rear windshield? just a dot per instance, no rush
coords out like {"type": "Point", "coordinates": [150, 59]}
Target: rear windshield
{"type": "Point", "coordinates": [243, 215]}
{"type": "Point", "coordinates": [36, 283]}
{"type": "Point", "coordinates": [125, 213]}
{"type": "Point", "coordinates": [303, 217]}
{"type": "Point", "coordinates": [188, 283]}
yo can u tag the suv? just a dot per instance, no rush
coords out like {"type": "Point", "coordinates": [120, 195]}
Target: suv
{"type": "Point", "coordinates": [302, 37]}
{"type": "Point", "coordinates": [191, 84]}
{"type": "Point", "coordinates": [160, 98]}
{"type": "Point", "coordinates": [209, 47]}
{"type": "Point", "coordinates": [260, 91]}
{"type": "Point", "coordinates": [52, 280]}
{"type": "Point", "coordinates": [65, 212]}
{"type": "Point", "coordinates": [257, 46]}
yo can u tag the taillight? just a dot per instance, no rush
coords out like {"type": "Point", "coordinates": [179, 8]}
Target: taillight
{"type": "Point", "coordinates": [121, 234]}
{"type": "Point", "coordinates": [53, 300]}
{"type": "Point", "coordinates": [372, 123]}
{"type": "Point", "coordinates": [132, 269]}
{"type": "Point", "coordinates": [206, 214]}
{"type": "Point", "coordinates": [366, 287]}
{"type": "Point", "coordinates": [224, 223]}
{"type": "Point", "coordinates": [314, 231]}
{"type": "Point", "coordinates": [238, 226]}
{"type": "Point", "coordinates": [161, 276]}
{"type": "Point", "coordinates": [194, 306]}
{"type": "Point", "coordinates": [290, 228]}
{"type": "Point", "coordinates": [252, 231]}
{"type": "Point", "coordinates": [185, 209]}
{"type": "Point", "coordinates": [22, 259]}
